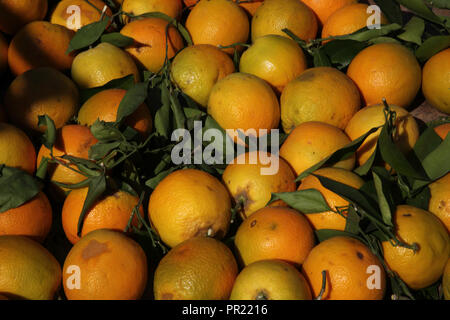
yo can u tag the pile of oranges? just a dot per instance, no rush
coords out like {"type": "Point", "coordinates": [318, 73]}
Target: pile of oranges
{"type": "Point", "coordinates": [246, 65]}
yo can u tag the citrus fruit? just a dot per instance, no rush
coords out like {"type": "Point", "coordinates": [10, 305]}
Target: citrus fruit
{"type": "Point", "coordinates": [101, 64]}
{"type": "Point", "coordinates": [274, 58]}
{"type": "Point", "coordinates": [149, 47]}
{"type": "Point", "coordinates": [372, 117]}
{"type": "Point", "coordinates": [436, 81]}
{"type": "Point", "coordinates": [330, 219]}
{"type": "Point", "coordinates": [386, 70]}
{"type": "Point", "coordinates": [446, 281]}
{"type": "Point", "coordinates": [196, 69]}
{"type": "Point", "coordinates": [196, 269]}
{"type": "Point", "coordinates": [353, 272]}
{"type": "Point", "coordinates": [252, 182]}
{"type": "Point", "coordinates": [40, 44]}
{"type": "Point", "coordinates": [16, 13]}
{"type": "Point", "coordinates": [105, 265]}
{"type": "Point", "coordinates": [172, 8]}
{"type": "Point", "coordinates": [3, 54]}
{"type": "Point", "coordinates": [302, 149]}
{"type": "Point", "coordinates": [28, 270]}
{"type": "Point", "coordinates": [325, 8]}
{"type": "Point", "coordinates": [442, 130]}
{"type": "Point", "coordinates": [270, 280]}
{"type": "Point", "coordinates": [218, 22]}
{"type": "Point", "coordinates": [189, 203]}
{"type": "Point", "coordinates": [274, 233]}
{"type": "Point", "coordinates": [439, 204]}
{"type": "Point", "coordinates": [275, 15]}
{"type": "Point", "coordinates": [41, 91]}
{"type": "Point", "coordinates": [321, 94]}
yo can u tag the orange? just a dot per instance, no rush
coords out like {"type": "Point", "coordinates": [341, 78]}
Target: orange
{"type": "Point", "coordinates": [270, 280]}
{"type": "Point", "coordinates": [302, 149]}
{"type": "Point", "coordinates": [149, 48]}
{"type": "Point", "coordinates": [422, 268]}
{"type": "Point", "coordinates": [353, 272]}
{"type": "Point", "coordinates": [446, 281]}
{"type": "Point", "coordinates": [101, 64]}
{"type": "Point", "coordinates": [189, 203]}
{"type": "Point", "coordinates": [439, 204]}
{"type": "Point", "coordinates": [218, 22]}
{"type": "Point", "coordinates": [196, 269]}
{"type": "Point", "coordinates": [251, 6]}
{"type": "Point", "coordinates": [330, 219]}
{"type": "Point", "coordinates": [40, 44]}
{"type": "Point", "coordinates": [274, 58]}
{"type": "Point", "coordinates": [251, 180]}
{"type": "Point", "coordinates": [442, 130]}
{"type": "Point", "coordinates": [321, 94]}
{"type": "Point", "coordinates": [172, 8]}
{"type": "Point", "coordinates": [28, 270]}
{"type": "Point", "coordinates": [66, 13]}
{"type": "Point", "coordinates": [72, 140]}
{"type": "Point", "coordinates": [104, 106]}
{"type": "Point", "coordinates": [16, 13]}
{"type": "Point", "coordinates": [111, 211]}
{"type": "Point", "coordinates": [105, 265]}
{"type": "Point", "coordinates": [325, 8]}
{"type": "Point", "coordinates": [275, 15]}
{"type": "Point", "coordinates": [196, 69]}
{"type": "Point", "coordinates": [32, 219]}
{"type": "Point", "coordinates": [3, 54]}
{"type": "Point", "coordinates": [41, 91]}
{"type": "Point", "coordinates": [386, 70]}
{"type": "Point", "coordinates": [17, 149]}
{"type": "Point", "coordinates": [274, 233]}
{"type": "Point", "coordinates": [436, 81]}
{"type": "Point", "coordinates": [370, 117]}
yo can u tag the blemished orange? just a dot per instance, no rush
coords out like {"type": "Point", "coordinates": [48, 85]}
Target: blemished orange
{"type": "Point", "coordinates": [66, 13]}
{"type": "Point", "coordinates": [439, 204]}
{"type": "Point", "coordinates": [386, 70]}
{"type": "Point", "coordinates": [111, 266]}
{"type": "Point", "coordinates": [274, 58]}
{"type": "Point", "coordinates": [275, 15]}
{"type": "Point", "coordinates": [325, 8]}
{"type": "Point", "coordinates": [3, 54]}
{"type": "Point", "coordinates": [16, 13]}
{"type": "Point", "coordinates": [112, 211]}
{"type": "Point", "coordinates": [218, 22]}
{"type": "Point", "coordinates": [251, 182]}
{"type": "Point", "coordinates": [353, 272]}
{"type": "Point", "coordinates": [330, 219]}
{"type": "Point", "coordinates": [172, 8]}
{"type": "Point", "coordinates": [149, 48]}
{"type": "Point", "coordinates": [41, 91]}
{"type": "Point", "coordinates": [373, 116]}
{"type": "Point", "coordinates": [274, 233]}
{"type": "Point", "coordinates": [321, 94]}
{"type": "Point", "coordinates": [29, 271]}
{"type": "Point", "coordinates": [17, 149]}
{"type": "Point", "coordinates": [442, 130]}
{"type": "Point", "coordinates": [104, 106]}
{"type": "Point", "coordinates": [270, 280]}
{"type": "Point", "coordinates": [436, 81]}
{"type": "Point", "coordinates": [189, 203]}
{"type": "Point", "coordinates": [197, 269]}
{"type": "Point", "coordinates": [424, 267]}
{"type": "Point", "coordinates": [197, 68]}
{"type": "Point", "coordinates": [302, 149]}
{"type": "Point", "coordinates": [446, 281]}
{"type": "Point", "coordinates": [40, 44]}
{"type": "Point", "coordinates": [32, 219]}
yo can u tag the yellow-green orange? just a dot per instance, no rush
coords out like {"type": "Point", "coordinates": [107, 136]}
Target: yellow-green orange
{"type": "Point", "coordinates": [439, 204]}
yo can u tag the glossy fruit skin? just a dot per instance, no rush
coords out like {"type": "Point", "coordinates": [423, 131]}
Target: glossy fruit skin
{"type": "Point", "coordinates": [14, 14]}
{"type": "Point", "coordinates": [439, 204]}
{"type": "Point", "coordinates": [172, 8]}
{"type": "Point", "coordinates": [436, 81]}
{"type": "Point", "coordinates": [325, 8]}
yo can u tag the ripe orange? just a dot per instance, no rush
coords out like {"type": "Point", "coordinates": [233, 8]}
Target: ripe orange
{"type": "Point", "coordinates": [16, 13]}
{"type": "Point", "coordinates": [439, 204]}
{"type": "Point", "coordinates": [104, 106]}
{"type": "Point", "coordinates": [196, 269]}
{"type": "Point", "coordinates": [353, 272]}
{"type": "Point", "coordinates": [302, 149]}
{"type": "Point", "coordinates": [189, 203]}
{"type": "Point", "coordinates": [149, 48]}
{"type": "Point", "coordinates": [3, 54]}
{"type": "Point", "coordinates": [321, 94]}
{"type": "Point", "coordinates": [251, 6]}
{"type": "Point", "coordinates": [386, 70]}
{"type": "Point", "coordinates": [330, 219]}
{"type": "Point", "coordinates": [218, 22]}
{"type": "Point", "coordinates": [442, 130]}
{"type": "Point", "coordinates": [436, 81]}
{"type": "Point", "coordinates": [274, 233]}
{"type": "Point", "coordinates": [172, 8]}
{"type": "Point", "coordinates": [105, 265]}
{"type": "Point", "coordinates": [38, 92]}
{"type": "Point", "coordinates": [275, 15]}
{"type": "Point", "coordinates": [422, 268]}
{"type": "Point", "coordinates": [40, 44]}
{"type": "Point", "coordinates": [325, 8]}
{"type": "Point", "coordinates": [270, 280]}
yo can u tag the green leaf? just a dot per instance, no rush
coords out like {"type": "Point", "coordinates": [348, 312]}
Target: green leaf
{"type": "Point", "coordinates": [105, 131]}
{"type": "Point", "coordinates": [125, 83]}
{"type": "Point", "coordinates": [97, 186]}
{"type": "Point", "coordinates": [432, 46]}
{"type": "Point", "coordinates": [383, 40]}
{"type": "Point", "coordinates": [305, 201]}
{"type": "Point", "coordinates": [427, 142]}
{"type": "Point", "coordinates": [49, 136]}
{"type": "Point", "coordinates": [162, 116]}
{"type": "Point", "coordinates": [421, 9]}
{"type": "Point", "coordinates": [342, 52]}
{"type": "Point", "coordinates": [100, 150]}
{"type": "Point", "coordinates": [87, 35]}
{"type": "Point", "coordinates": [132, 100]}
{"type": "Point", "coordinates": [153, 182]}
{"type": "Point", "coordinates": [41, 172]}
{"type": "Point", "coordinates": [368, 34]}
{"type": "Point", "coordinates": [442, 4]}
{"type": "Point", "coordinates": [413, 31]}
{"type": "Point", "coordinates": [325, 234]}
{"type": "Point", "coordinates": [391, 10]}
{"type": "Point", "coordinates": [384, 194]}
{"type": "Point", "coordinates": [421, 200]}
{"type": "Point", "coordinates": [437, 162]}
{"type": "Point", "coordinates": [352, 221]}
{"type": "Point", "coordinates": [88, 167]}
{"type": "Point", "coordinates": [177, 111]}
{"type": "Point", "coordinates": [321, 58]}
{"type": "Point", "coordinates": [366, 166]}
{"type": "Point", "coordinates": [117, 39]}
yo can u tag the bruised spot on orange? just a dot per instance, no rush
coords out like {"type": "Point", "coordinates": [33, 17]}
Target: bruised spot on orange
{"type": "Point", "coordinates": [94, 249]}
